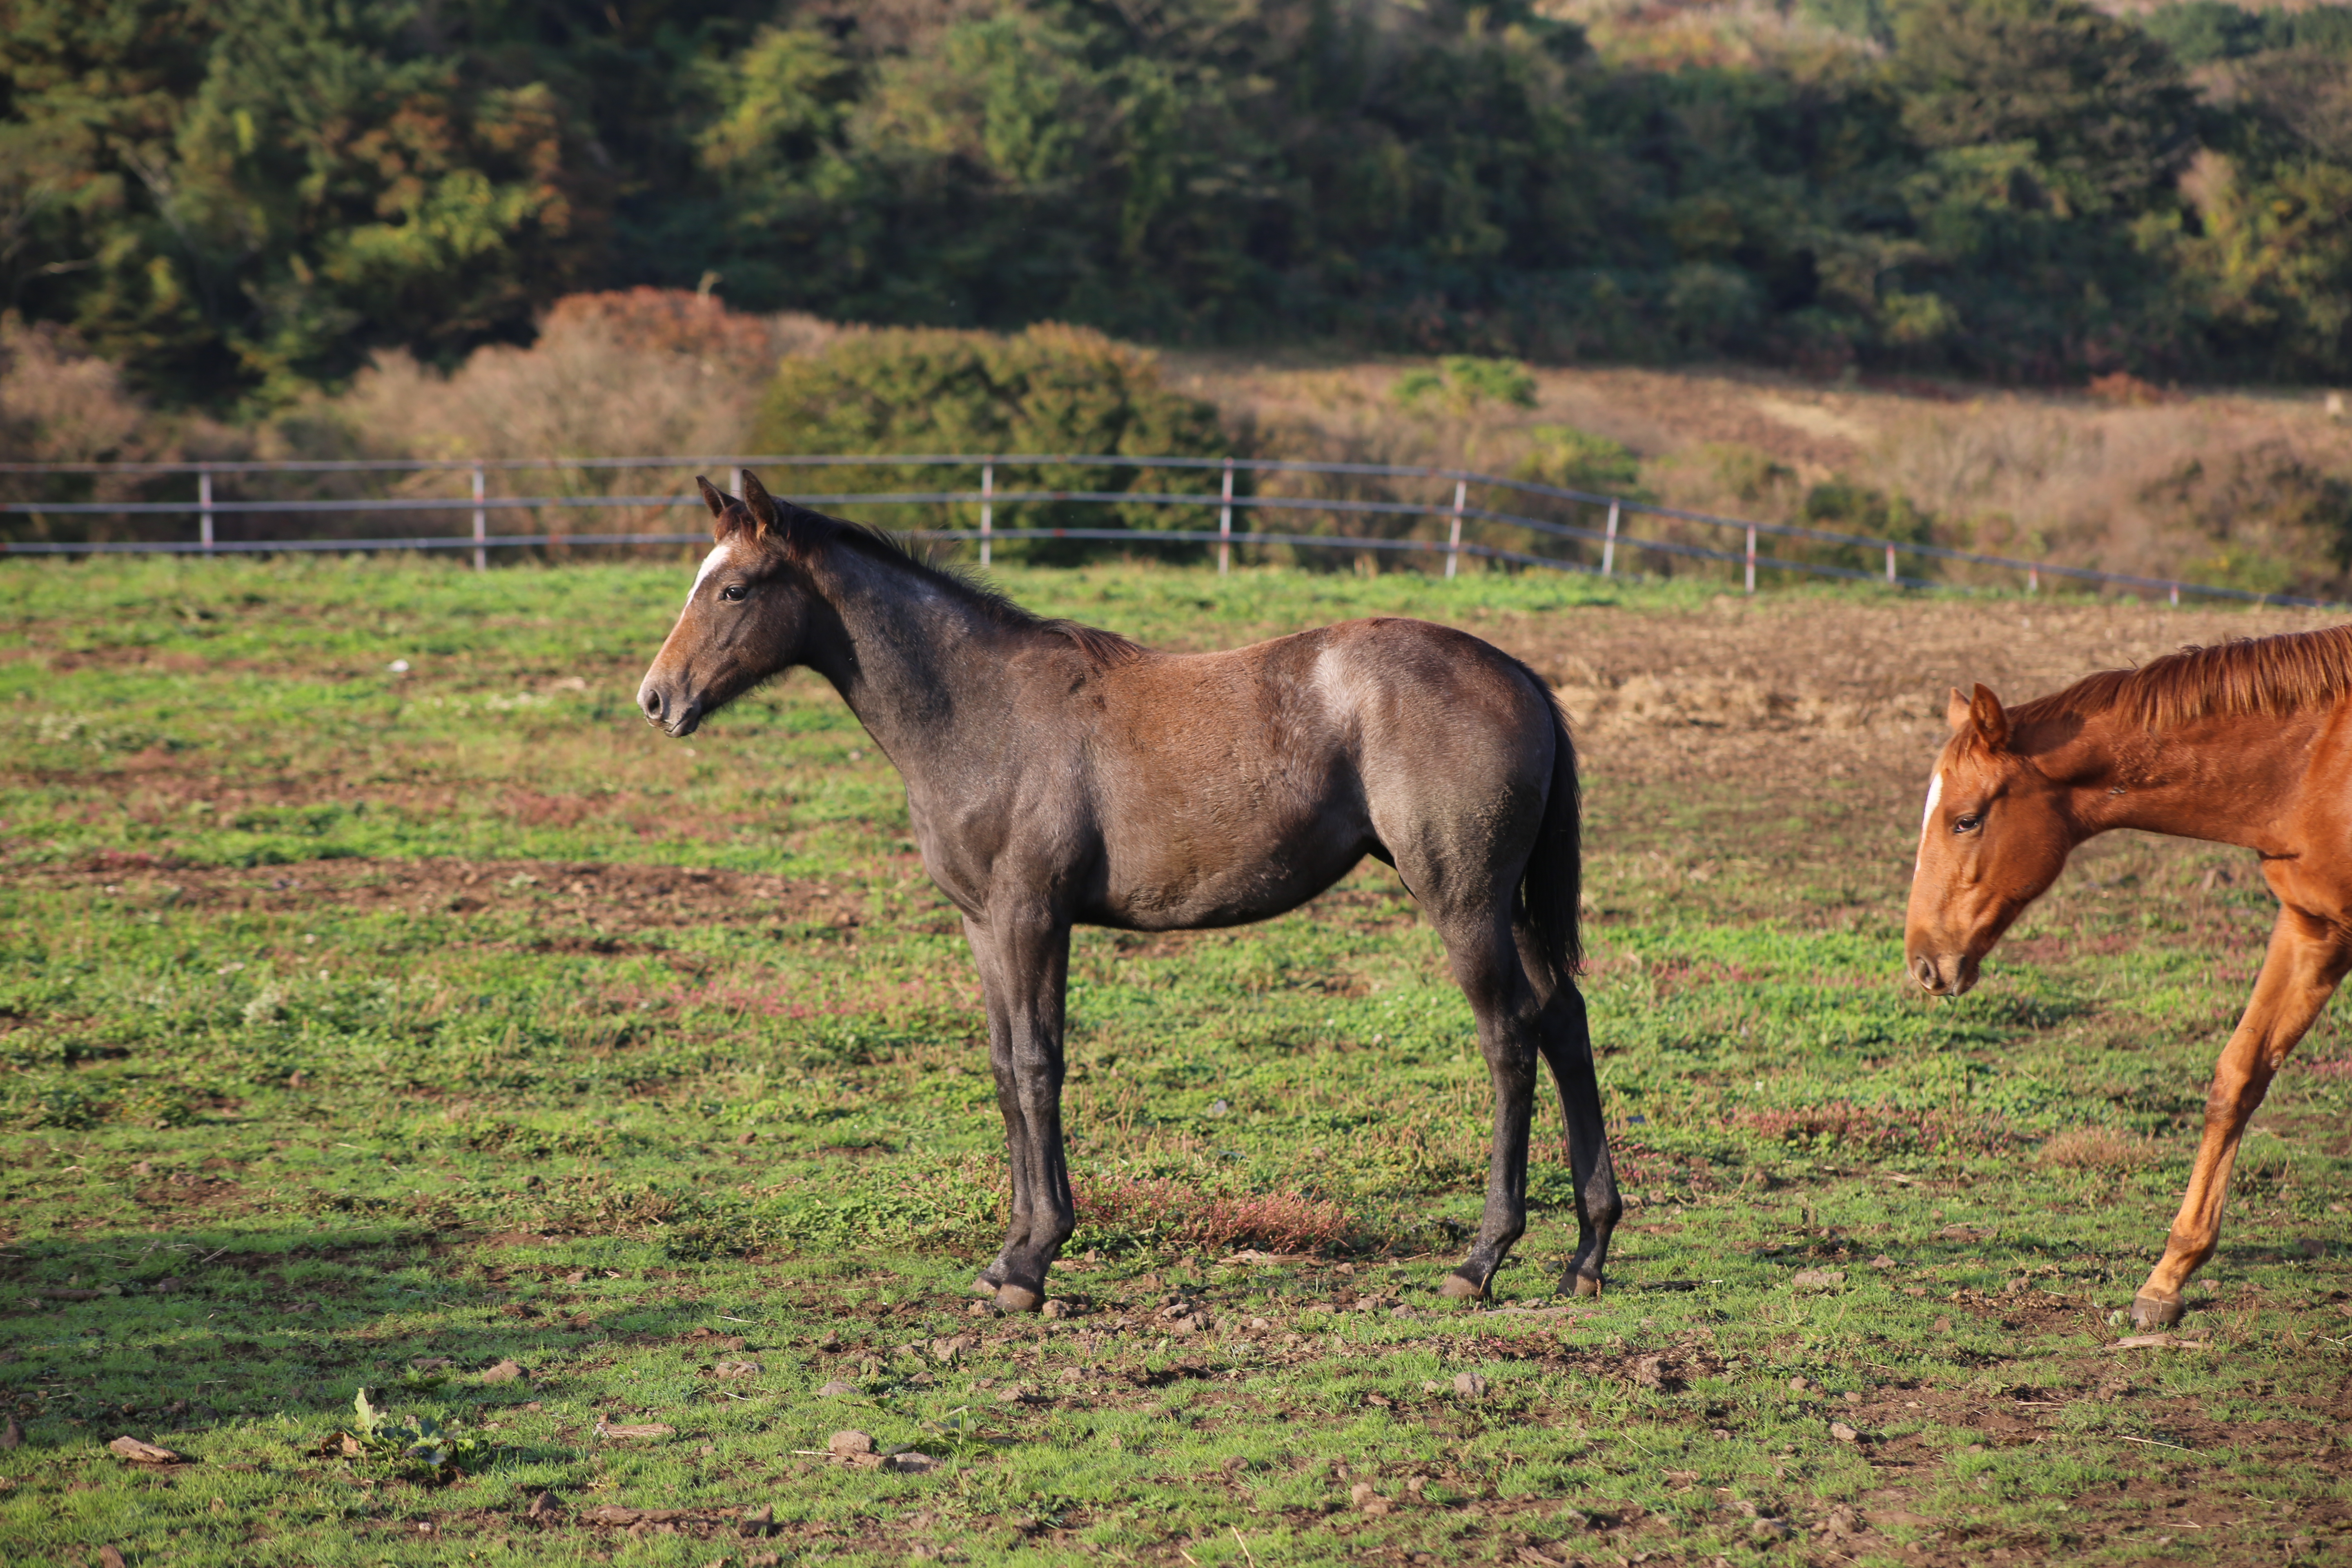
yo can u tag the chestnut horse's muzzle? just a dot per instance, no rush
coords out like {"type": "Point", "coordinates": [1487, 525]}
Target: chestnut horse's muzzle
{"type": "Point", "coordinates": [1952, 974]}
{"type": "Point", "coordinates": [672, 714]}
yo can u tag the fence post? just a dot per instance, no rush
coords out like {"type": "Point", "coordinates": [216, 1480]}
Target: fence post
{"type": "Point", "coordinates": [1225, 524]}
{"type": "Point", "coordinates": [1609, 544]}
{"type": "Point", "coordinates": [987, 510]}
{"type": "Point", "coordinates": [2033, 579]}
{"type": "Point", "coordinates": [481, 525]}
{"type": "Point", "coordinates": [205, 503]}
{"type": "Point", "coordinates": [2175, 595]}
{"type": "Point", "coordinates": [1751, 558]}
{"type": "Point", "coordinates": [1890, 565]}
{"type": "Point", "coordinates": [1453, 535]}
{"type": "Point", "coordinates": [735, 483]}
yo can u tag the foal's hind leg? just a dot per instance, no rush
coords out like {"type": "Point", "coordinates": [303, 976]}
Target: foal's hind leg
{"type": "Point", "coordinates": [1486, 966]}
{"type": "Point", "coordinates": [1567, 1041]}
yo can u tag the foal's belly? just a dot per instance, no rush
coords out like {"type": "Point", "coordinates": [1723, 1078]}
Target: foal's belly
{"type": "Point", "coordinates": [1175, 874]}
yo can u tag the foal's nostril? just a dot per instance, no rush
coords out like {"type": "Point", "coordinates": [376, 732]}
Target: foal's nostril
{"type": "Point", "coordinates": [654, 705]}
{"type": "Point", "coordinates": [1925, 970]}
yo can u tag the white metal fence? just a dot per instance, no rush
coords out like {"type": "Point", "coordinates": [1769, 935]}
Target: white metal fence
{"type": "Point", "coordinates": [1606, 525]}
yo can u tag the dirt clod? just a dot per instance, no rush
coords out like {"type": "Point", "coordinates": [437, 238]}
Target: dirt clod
{"type": "Point", "coordinates": [504, 1372]}
{"type": "Point", "coordinates": [848, 1443]}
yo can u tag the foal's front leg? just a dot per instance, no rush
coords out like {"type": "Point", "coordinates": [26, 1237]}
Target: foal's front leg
{"type": "Point", "coordinates": [1025, 961]}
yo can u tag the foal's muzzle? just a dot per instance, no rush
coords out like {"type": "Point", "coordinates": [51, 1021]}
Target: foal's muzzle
{"type": "Point", "coordinates": [673, 715]}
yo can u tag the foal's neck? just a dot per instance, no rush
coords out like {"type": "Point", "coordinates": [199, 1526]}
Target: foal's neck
{"type": "Point", "coordinates": [2232, 779]}
{"type": "Point", "coordinates": [899, 645]}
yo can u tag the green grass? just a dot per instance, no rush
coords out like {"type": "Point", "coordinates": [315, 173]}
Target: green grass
{"type": "Point", "coordinates": [451, 1015]}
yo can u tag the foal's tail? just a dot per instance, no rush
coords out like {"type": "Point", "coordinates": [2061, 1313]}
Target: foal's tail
{"type": "Point", "coordinates": [1550, 890]}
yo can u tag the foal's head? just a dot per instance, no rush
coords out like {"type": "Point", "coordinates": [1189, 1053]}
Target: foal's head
{"type": "Point", "coordinates": [746, 617]}
{"type": "Point", "coordinates": [1994, 837]}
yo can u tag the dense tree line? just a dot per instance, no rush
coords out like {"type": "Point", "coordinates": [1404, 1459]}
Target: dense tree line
{"type": "Point", "coordinates": [238, 198]}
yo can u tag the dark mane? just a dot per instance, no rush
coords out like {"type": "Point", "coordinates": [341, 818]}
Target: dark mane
{"type": "Point", "coordinates": [1100, 649]}
{"type": "Point", "coordinates": [2282, 674]}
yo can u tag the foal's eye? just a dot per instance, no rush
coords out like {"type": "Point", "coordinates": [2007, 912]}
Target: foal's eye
{"type": "Point", "coordinates": [1966, 824]}
{"type": "Point", "coordinates": [733, 593]}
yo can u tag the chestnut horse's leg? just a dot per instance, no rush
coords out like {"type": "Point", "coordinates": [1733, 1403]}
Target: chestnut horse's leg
{"type": "Point", "coordinates": [1025, 964]}
{"type": "Point", "coordinates": [2306, 960]}
{"type": "Point", "coordinates": [1486, 964]}
{"type": "Point", "coordinates": [1568, 1047]}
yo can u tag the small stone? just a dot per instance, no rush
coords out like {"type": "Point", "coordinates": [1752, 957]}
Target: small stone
{"type": "Point", "coordinates": [1882, 1261]}
{"type": "Point", "coordinates": [1013, 1395]}
{"type": "Point", "coordinates": [577, 1277]}
{"type": "Point", "coordinates": [1843, 1432]}
{"type": "Point", "coordinates": [732, 1369]}
{"type": "Point", "coordinates": [1057, 1310]}
{"type": "Point", "coordinates": [912, 1463]}
{"type": "Point", "coordinates": [109, 1556]}
{"type": "Point", "coordinates": [1650, 1372]}
{"type": "Point", "coordinates": [546, 1505]}
{"type": "Point", "coordinates": [747, 1138]}
{"type": "Point", "coordinates": [139, 1453]}
{"type": "Point", "coordinates": [1259, 1325]}
{"type": "Point", "coordinates": [1819, 1280]}
{"type": "Point", "coordinates": [836, 1389]}
{"type": "Point", "coordinates": [846, 1444]}
{"type": "Point", "coordinates": [1363, 1495]}
{"type": "Point", "coordinates": [1470, 1385]}
{"type": "Point", "coordinates": [504, 1372]}
{"type": "Point", "coordinates": [1072, 1375]}
{"type": "Point", "coordinates": [1844, 1521]}
{"type": "Point", "coordinates": [1800, 1385]}
{"type": "Point", "coordinates": [1770, 1528]}
{"type": "Point", "coordinates": [168, 1283]}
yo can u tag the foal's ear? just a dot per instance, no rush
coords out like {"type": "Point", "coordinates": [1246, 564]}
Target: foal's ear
{"type": "Point", "coordinates": [1980, 715]}
{"type": "Point", "coordinates": [756, 497]}
{"type": "Point", "coordinates": [712, 497]}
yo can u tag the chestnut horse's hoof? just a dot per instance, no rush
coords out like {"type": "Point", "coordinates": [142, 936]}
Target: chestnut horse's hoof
{"type": "Point", "coordinates": [1018, 1299]}
{"type": "Point", "coordinates": [2154, 1312]}
{"type": "Point", "coordinates": [1459, 1287]}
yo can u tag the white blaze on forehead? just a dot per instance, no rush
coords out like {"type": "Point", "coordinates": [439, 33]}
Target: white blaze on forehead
{"type": "Point", "coordinates": [1927, 820]}
{"type": "Point", "coordinates": [710, 562]}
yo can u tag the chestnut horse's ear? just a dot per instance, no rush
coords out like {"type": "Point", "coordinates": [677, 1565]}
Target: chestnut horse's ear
{"type": "Point", "coordinates": [756, 497]}
{"type": "Point", "coordinates": [1955, 711]}
{"type": "Point", "coordinates": [1991, 722]}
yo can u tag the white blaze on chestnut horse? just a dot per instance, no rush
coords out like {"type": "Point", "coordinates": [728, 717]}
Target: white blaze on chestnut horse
{"type": "Point", "coordinates": [1059, 775]}
{"type": "Point", "coordinates": [2248, 743]}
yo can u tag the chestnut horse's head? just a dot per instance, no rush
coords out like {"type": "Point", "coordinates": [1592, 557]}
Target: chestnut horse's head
{"type": "Point", "coordinates": [745, 617]}
{"type": "Point", "coordinates": [1995, 835]}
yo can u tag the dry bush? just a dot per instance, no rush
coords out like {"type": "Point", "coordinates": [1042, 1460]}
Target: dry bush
{"type": "Point", "coordinates": [2098, 1148]}
{"type": "Point", "coordinates": [645, 372]}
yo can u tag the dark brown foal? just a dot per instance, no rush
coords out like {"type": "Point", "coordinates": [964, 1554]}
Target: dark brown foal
{"type": "Point", "coordinates": [1059, 775]}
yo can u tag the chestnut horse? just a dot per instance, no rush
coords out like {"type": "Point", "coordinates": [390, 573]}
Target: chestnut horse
{"type": "Point", "coordinates": [2249, 743]}
{"type": "Point", "coordinates": [1059, 775]}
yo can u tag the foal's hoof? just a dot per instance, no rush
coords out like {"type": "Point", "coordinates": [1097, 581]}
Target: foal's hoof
{"type": "Point", "coordinates": [985, 1286]}
{"type": "Point", "coordinates": [1018, 1299]}
{"type": "Point", "coordinates": [2154, 1312]}
{"type": "Point", "coordinates": [1459, 1287]}
{"type": "Point", "coordinates": [1586, 1284]}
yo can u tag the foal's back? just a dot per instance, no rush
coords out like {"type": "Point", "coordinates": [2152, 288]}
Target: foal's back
{"type": "Point", "coordinates": [1228, 787]}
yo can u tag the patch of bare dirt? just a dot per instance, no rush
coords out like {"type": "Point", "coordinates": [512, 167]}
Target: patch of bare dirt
{"type": "Point", "coordinates": [1780, 692]}
{"type": "Point", "coordinates": [618, 897]}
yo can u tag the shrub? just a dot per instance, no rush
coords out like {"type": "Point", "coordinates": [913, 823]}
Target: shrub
{"type": "Point", "coordinates": [1576, 459]}
{"type": "Point", "coordinates": [1050, 389]}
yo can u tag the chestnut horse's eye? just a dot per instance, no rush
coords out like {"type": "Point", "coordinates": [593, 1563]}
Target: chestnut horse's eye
{"type": "Point", "coordinates": [733, 593]}
{"type": "Point", "coordinates": [1966, 824]}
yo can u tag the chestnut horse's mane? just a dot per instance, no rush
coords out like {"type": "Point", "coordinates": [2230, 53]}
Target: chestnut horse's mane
{"type": "Point", "coordinates": [2282, 674]}
{"type": "Point", "coordinates": [1098, 647]}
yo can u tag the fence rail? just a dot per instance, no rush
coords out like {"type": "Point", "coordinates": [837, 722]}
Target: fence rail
{"type": "Point", "coordinates": [1612, 536]}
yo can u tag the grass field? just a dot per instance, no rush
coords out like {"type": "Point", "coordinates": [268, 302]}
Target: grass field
{"type": "Point", "coordinates": [367, 1027]}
